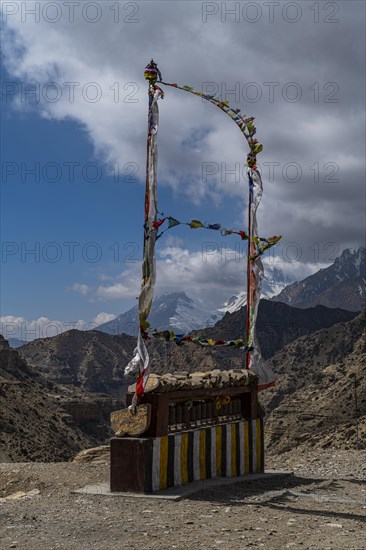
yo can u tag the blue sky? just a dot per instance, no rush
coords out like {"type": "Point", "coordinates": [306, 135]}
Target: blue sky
{"type": "Point", "coordinates": [59, 226]}
{"type": "Point", "coordinates": [322, 132]}
{"type": "Point", "coordinates": [38, 211]}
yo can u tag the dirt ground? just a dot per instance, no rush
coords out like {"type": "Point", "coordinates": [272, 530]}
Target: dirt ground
{"type": "Point", "coordinates": [322, 506]}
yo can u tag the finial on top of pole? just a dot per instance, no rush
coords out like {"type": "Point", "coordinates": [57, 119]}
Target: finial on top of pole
{"type": "Point", "coordinates": [152, 73]}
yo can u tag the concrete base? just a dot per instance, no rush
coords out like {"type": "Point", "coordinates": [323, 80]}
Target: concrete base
{"type": "Point", "coordinates": [178, 493]}
{"type": "Point", "coordinates": [150, 464]}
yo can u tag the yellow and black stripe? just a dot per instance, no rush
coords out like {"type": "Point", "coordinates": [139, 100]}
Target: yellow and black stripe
{"type": "Point", "coordinates": [227, 450]}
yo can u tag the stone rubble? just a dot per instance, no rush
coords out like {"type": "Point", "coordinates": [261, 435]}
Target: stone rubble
{"type": "Point", "coordinates": [180, 381]}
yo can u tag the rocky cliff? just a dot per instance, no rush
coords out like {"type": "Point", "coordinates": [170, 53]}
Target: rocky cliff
{"type": "Point", "coordinates": [320, 393]}
{"type": "Point", "coordinates": [44, 421]}
{"type": "Point", "coordinates": [91, 360]}
{"type": "Point", "coordinates": [342, 284]}
{"type": "Point", "coordinates": [95, 361]}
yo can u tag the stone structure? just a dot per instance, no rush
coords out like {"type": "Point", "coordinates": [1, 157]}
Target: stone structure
{"type": "Point", "coordinates": [195, 426]}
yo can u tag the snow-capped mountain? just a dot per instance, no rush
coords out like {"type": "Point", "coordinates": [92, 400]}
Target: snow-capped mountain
{"type": "Point", "coordinates": [342, 285]}
{"type": "Point", "coordinates": [174, 311]}
{"type": "Point", "coordinates": [274, 281]}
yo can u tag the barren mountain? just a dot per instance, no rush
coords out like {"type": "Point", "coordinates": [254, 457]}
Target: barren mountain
{"type": "Point", "coordinates": [95, 361]}
{"type": "Point", "coordinates": [343, 285]}
{"type": "Point", "coordinates": [91, 360]}
{"type": "Point", "coordinates": [43, 421]}
{"type": "Point", "coordinates": [320, 377]}
{"type": "Point", "coordinates": [16, 342]}
{"type": "Point", "coordinates": [312, 404]}
{"type": "Point", "coordinates": [277, 324]}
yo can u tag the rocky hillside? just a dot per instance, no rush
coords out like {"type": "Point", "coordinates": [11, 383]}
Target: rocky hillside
{"type": "Point", "coordinates": [342, 285]}
{"type": "Point", "coordinates": [312, 404]}
{"type": "Point", "coordinates": [318, 377]}
{"type": "Point", "coordinates": [43, 421]}
{"type": "Point", "coordinates": [16, 342]}
{"type": "Point", "coordinates": [91, 360]}
{"type": "Point", "coordinates": [278, 324]}
{"type": "Point", "coordinates": [96, 361]}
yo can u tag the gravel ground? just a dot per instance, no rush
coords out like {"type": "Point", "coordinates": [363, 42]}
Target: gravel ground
{"type": "Point", "coordinates": [322, 506]}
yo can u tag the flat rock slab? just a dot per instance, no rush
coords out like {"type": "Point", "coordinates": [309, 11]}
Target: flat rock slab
{"type": "Point", "coordinates": [178, 493]}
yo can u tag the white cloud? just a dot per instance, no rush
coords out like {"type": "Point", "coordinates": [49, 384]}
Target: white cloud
{"type": "Point", "coordinates": [26, 329]}
{"type": "Point", "coordinates": [117, 291]}
{"type": "Point", "coordinates": [82, 289]}
{"type": "Point", "coordinates": [103, 317]}
{"type": "Point", "coordinates": [190, 51]}
{"type": "Point", "coordinates": [211, 274]}
{"type": "Point", "coordinates": [315, 215]}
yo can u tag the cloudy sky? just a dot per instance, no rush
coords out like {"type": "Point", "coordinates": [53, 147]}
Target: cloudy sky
{"type": "Point", "coordinates": [74, 108]}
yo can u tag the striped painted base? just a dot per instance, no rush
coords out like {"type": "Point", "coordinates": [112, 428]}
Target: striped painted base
{"type": "Point", "coordinates": [228, 450]}
{"type": "Point", "coordinates": [146, 465]}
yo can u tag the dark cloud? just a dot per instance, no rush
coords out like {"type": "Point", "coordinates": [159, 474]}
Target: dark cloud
{"type": "Point", "coordinates": [325, 125]}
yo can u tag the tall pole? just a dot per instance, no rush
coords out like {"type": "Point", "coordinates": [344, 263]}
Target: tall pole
{"type": "Point", "coordinates": [356, 414]}
{"type": "Point", "coordinates": [151, 74]}
{"type": "Point", "coordinates": [147, 187]}
{"type": "Point", "coordinates": [249, 274]}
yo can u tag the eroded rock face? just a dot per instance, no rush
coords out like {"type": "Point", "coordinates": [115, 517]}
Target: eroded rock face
{"type": "Point", "coordinates": [313, 403]}
{"type": "Point", "coordinates": [96, 361]}
{"type": "Point", "coordinates": [91, 360]}
{"type": "Point", "coordinates": [43, 421]}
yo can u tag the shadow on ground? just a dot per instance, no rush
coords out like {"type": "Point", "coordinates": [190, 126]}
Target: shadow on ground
{"type": "Point", "coordinates": [285, 494]}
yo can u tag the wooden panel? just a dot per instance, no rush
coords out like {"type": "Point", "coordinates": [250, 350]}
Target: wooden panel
{"type": "Point", "coordinates": [159, 424]}
{"type": "Point", "coordinates": [202, 393]}
{"type": "Point", "coordinates": [253, 402]}
{"type": "Point", "coordinates": [128, 464]}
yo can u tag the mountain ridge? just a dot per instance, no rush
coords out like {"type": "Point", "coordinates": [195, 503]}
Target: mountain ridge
{"type": "Point", "coordinates": [342, 284]}
{"type": "Point", "coordinates": [172, 311]}
{"type": "Point", "coordinates": [44, 421]}
{"type": "Point", "coordinates": [91, 360]}
{"type": "Point", "coordinates": [313, 403]}
{"type": "Point", "coordinates": [96, 361]}
{"type": "Point", "coordinates": [277, 324]}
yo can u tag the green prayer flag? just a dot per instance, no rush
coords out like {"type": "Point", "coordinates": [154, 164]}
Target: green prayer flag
{"type": "Point", "coordinates": [258, 148]}
{"type": "Point", "coordinates": [250, 127]}
{"type": "Point", "coordinates": [195, 224]}
{"type": "Point", "coordinates": [173, 222]}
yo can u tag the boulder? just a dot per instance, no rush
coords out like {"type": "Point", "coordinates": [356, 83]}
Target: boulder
{"type": "Point", "coordinates": [96, 455]}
